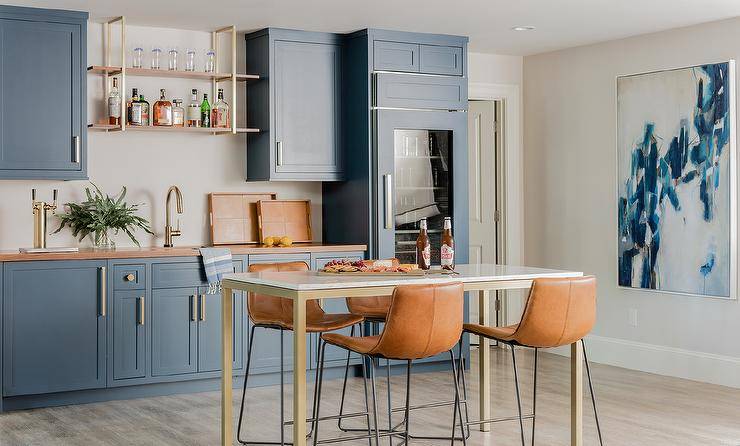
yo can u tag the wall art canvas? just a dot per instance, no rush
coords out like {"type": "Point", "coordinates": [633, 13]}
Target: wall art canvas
{"type": "Point", "coordinates": [676, 175]}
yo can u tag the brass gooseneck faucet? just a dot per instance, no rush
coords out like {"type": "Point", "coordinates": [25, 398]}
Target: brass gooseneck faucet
{"type": "Point", "coordinates": [168, 231]}
{"type": "Point", "coordinates": [40, 210]}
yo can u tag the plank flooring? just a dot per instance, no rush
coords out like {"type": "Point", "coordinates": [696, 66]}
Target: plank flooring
{"type": "Point", "coordinates": [636, 409]}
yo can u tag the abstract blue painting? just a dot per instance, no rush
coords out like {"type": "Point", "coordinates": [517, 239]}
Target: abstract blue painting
{"type": "Point", "coordinates": [676, 191]}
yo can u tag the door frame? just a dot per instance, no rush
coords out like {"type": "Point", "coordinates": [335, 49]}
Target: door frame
{"type": "Point", "coordinates": [510, 231]}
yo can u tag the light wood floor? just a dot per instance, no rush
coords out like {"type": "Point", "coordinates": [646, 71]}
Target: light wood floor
{"type": "Point", "coordinates": [636, 409]}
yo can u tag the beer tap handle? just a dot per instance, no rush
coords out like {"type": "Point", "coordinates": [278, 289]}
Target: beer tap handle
{"type": "Point", "coordinates": [55, 195]}
{"type": "Point", "coordinates": [33, 194]}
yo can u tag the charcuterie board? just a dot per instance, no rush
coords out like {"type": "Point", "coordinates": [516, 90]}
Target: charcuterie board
{"type": "Point", "coordinates": [412, 273]}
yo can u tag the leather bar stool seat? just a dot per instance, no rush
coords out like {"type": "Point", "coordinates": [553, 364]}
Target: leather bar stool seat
{"type": "Point", "coordinates": [374, 308]}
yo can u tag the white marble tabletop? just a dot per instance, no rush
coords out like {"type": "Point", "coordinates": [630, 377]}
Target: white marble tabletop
{"type": "Point", "coordinates": [311, 280]}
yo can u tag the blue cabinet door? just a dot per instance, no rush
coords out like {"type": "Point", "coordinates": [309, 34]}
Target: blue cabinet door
{"type": "Point", "coordinates": [54, 327]}
{"type": "Point", "coordinates": [42, 91]}
{"type": "Point", "coordinates": [174, 331]}
{"type": "Point", "coordinates": [209, 331]}
{"type": "Point", "coordinates": [129, 334]}
{"type": "Point", "coordinates": [307, 86]}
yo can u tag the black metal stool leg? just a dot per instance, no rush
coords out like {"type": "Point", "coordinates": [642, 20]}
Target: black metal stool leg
{"type": "Point", "coordinates": [456, 409]}
{"type": "Point", "coordinates": [367, 401]}
{"type": "Point", "coordinates": [534, 395]}
{"type": "Point", "coordinates": [408, 404]}
{"type": "Point", "coordinates": [314, 408]}
{"type": "Point", "coordinates": [591, 389]}
{"type": "Point", "coordinates": [461, 373]}
{"type": "Point", "coordinates": [344, 386]}
{"type": "Point", "coordinates": [518, 398]}
{"type": "Point", "coordinates": [375, 401]}
{"type": "Point", "coordinates": [390, 404]}
{"type": "Point", "coordinates": [244, 390]}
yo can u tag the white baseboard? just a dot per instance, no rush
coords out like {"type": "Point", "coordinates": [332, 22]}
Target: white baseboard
{"type": "Point", "coordinates": [668, 361]}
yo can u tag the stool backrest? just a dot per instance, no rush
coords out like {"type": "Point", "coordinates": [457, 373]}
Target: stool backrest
{"type": "Point", "coordinates": [374, 305]}
{"type": "Point", "coordinates": [279, 306]}
{"type": "Point", "coordinates": [424, 320]}
{"type": "Point", "coordinates": [558, 312]}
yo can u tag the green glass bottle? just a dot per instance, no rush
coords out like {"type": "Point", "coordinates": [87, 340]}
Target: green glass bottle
{"type": "Point", "coordinates": [205, 112]}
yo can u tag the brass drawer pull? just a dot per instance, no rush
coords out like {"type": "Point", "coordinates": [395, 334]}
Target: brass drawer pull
{"type": "Point", "coordinates": [103, 290]}
{"type": "Point", "coordinates": [129, 277]}
{"type": "Point", "coordinates": [203, 307]}
{"type": "Point", "coordinates": [140, 319]}
{"type": "Point", "coordinates": [193, 308]}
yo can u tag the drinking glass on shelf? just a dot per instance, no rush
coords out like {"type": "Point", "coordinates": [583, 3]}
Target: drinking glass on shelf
{"type": "Point", "coordinates": [210, 63]}
{"type": "Point", "coordinates": [190, 59]}
{"type": "Point", "coordinates": [156, 53]}
{"type": "Point", "coordinates": [138, 56]}
{"type": "Point", "coordinates": [172, 58]}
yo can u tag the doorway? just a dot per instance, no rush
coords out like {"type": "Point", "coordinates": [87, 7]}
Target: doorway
{"type": "Point", "coordinates": [485, 186]}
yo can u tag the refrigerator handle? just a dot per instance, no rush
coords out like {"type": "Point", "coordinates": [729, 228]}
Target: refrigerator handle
{"type": "Point", "coordinates": [388, 181]}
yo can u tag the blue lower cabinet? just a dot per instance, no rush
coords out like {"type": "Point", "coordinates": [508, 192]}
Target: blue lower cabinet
{"type": "Point", "coordinates": [54, 327]}
{"type": "Point", "coordinates": [209, 331]}
{"type": "Point", "coordinates": [129, 334]}
{"type": "Point", "coordinates": [174, 331]}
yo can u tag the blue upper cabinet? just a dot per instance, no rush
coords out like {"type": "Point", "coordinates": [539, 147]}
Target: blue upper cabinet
{"type": "Point", "coordinates": [42, 94]}
{"type": "Point", "coordinates": [297, 105]}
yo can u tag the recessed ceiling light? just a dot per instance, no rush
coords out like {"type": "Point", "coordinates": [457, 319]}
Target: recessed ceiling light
{"type": "Point", "coordinates": [523, 28]}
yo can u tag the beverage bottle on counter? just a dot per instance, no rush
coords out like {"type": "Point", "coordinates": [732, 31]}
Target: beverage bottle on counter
{"type": "Point", "coordinates": [220, 112]}
{"type": "Point", "coordinates": [193, 110]}
{"type": "Point", "coordinates": [447, 250]}
{"type": "Point", "coordinates": [162, 110]}
{"type": "Point", "coordinates": [144, 110]}
{"type": "Point", "coordinates": [134, 108]}
{"type": "Point", "coordinates": [423, 249]}
{"type": "Point", "coordinates": [178, 113]}
{"type": "Point", "coordinates": [205, 112]}
{"type": "Point", "coordinates": [114, 104]}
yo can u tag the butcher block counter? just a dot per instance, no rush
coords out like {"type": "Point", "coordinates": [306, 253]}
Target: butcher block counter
{"type": "Point", "coordinates": [178, 251]}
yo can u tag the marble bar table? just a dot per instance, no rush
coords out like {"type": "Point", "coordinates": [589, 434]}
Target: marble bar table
{"type": "Point", "coordinates": [302, 286]}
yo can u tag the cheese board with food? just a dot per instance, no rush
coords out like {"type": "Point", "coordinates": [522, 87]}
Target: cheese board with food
{"type": "Point", "coordinates": [376, 268]}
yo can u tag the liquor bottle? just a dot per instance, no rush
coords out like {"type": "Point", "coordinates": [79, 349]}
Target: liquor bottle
{"type": "Point", "coordinates": [194, 110]}
{"type": "Point", "coordinates": [114, 104]}
{"type": "Point", "coordinates": [145, 121]}
{"type": "Point", "coordinates": [162, 110]}
{"type": "Point", "coordinates": [134, 108]}
{"type": "Point", "coordinates": [178, 113]}
{"type": "Point", "coordinates": [423, 249]}
{"type": "Point", "coordinates": [447, 250]}
{"type": "Point", "coordinates": [205, 112]}
{"type": "Point", "coordinates": [220, 112]}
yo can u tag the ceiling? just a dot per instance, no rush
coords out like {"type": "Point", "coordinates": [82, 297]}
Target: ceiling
{"type": "Point", "coordinates": [559, 23]}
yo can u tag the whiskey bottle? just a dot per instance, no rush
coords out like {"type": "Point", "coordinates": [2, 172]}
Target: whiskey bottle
{"type": "Point", "coordinates": [162, 110]}
{"type": "Point", "coordinates": [178, 113]}
{"type": "Point", "coordinates": [145, 121]}
{"type": "Point", "coordinates": [220, 112]}
{"type": "Point", "coordinates": [114, 104]}
{"type": "Point", "coordinates": [134, 108]}
{"type": "Point", "coordinates": [205, 112]}
{"type": "Point", "coordinates": [194, 110]}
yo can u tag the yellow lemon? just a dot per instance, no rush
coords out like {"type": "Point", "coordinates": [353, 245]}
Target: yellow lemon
{"type": "Point", "coordinates": [286, 241]}
{"type": "Point", "coordinates": [269, 241]}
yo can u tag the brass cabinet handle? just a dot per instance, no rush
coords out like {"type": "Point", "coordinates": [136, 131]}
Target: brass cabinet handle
{"type": "Point", "coordinates": [103, 290]}
{"type": "Point", "coordinates": [388, 179]}
{"type": "Point", "coordinates": [140, 319]}
{"type": "Point", "coordinates": [193, 307]}
{"type": "Point", "coordinates": [203, 307]}
{"type": "Point", "coordinates": [129, 277]}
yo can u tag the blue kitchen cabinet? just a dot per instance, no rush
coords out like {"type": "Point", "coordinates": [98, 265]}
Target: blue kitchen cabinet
{"type": "Point", "coordinates": [42, 94]}
{"type": "Point", "coordinates": [209, 331]}
{"type": "Point", "coordinates": [174, 331]}
{"type": "Point", "coordinates": [296, 104]}
{"type": "Point", "coordinates": [129, 334]}
{"type": "Point", "coordinates": [54, 326]}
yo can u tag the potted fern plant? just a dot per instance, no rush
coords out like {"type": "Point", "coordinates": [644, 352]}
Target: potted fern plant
{"type": "Point", "coordinates": [102, 217]}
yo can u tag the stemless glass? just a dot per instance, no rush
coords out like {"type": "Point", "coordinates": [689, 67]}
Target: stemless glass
{"type": "Point", "coordinates": [138, 56]}
{"type": "Point", "coordinates": [172, 58]}
{"type": "Point", "coordinates": [156, 53]}
{"type": "Point", "coordinates": [190, 59]}
{"type": "Point", "coordinates": [210, 64]}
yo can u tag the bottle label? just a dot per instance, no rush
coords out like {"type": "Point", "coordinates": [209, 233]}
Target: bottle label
{"type": "Point", "coordinates": [447, 255]}
{"type": "Point", "coordinates": [193, 113]}
{"type": "Point", "coordinates": [426, 258]}
{"type": "Point", "coordinates": [114, 107]}
{"type": "Point", "coordinates": [135, 118]}
{"type": "Point", "coordinates": [219, 118]}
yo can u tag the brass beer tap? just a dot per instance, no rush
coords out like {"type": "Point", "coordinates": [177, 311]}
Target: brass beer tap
{"type": "Point", "coordinates": [40, 210]}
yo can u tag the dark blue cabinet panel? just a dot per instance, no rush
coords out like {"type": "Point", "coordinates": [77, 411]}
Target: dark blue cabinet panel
{"type": "Point", "coordinates": [395, 56]}
{"type": "Point", "coordinates": [54, 332]}
{"type": "Point", "coordinates": [296, 105]}
{"type": "Point", "coordinates": [174, 331]}
{"type": "Point", "coordinates": [129, 334]}
{"type": "Point", "coordinates": [178, 274]}
{"type": "Point", "coordinates": [209, 331]}
{"type": "Point", "coordinates": [42, 80]}
{"type": "Point", "coordinates": [421, 92]}
{"type": "Point", "coordinates": [437, 59]}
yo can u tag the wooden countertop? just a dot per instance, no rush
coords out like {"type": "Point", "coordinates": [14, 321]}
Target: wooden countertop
{"type": "Point", "coordinates": [178, 251]}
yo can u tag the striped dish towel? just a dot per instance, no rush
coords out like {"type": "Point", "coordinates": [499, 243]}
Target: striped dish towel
{"type": "Point", "coordinates": [216, 262]}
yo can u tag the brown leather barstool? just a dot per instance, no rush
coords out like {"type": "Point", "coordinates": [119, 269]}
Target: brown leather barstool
{"type": "Point", "coordinates": [423, 321]}
{"type": "Point", "coordinates": [271, 312]}
{"type": "Point", "coordinates": [558, 312]}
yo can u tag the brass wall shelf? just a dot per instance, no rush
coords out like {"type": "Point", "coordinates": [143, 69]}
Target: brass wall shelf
{"type": "Point", "coordinates": [108, 70]}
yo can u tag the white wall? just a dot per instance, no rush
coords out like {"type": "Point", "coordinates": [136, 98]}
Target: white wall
{"type": "Point", "coordinates": [495, 68]}
{"type": "Point", "coordinates": [148, 163]}
{"type": "Point", "coordinates": [570, 204]}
